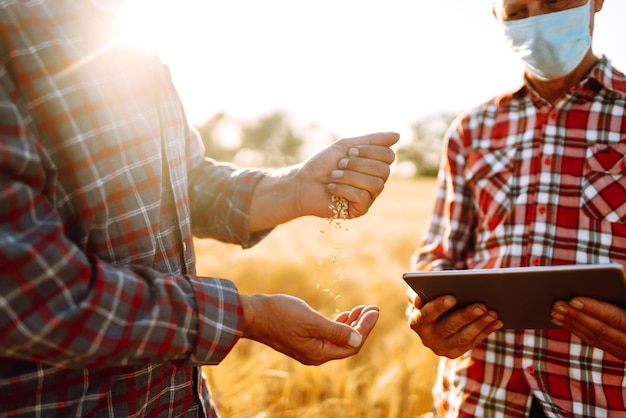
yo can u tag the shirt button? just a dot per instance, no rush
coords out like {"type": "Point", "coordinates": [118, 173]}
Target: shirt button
{"type": "Point", "coordinates": [547, 161]}
{"type": "Point", "coordinates": [530, 370]}
{"type": "Point", "coordinates": [542, 210]}
{"type": "Point", "coordinates": [612, 217]}
{"type": "Point", "coordinates": [552, 115]}
{"type": "Point", "coordinates": [536, 261]}
{"type": "Point", "coordinates": [622, 164]}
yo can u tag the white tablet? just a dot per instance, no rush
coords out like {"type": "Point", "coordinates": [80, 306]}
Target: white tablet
{"type": "Point", "coordinates": [523, 297]}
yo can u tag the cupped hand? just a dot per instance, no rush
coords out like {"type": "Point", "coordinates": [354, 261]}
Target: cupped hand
{"type": "Point", "coordinates": [448, 332]}
{"type": "Point", "coordinates": [290, 326]}
{"type": "Point", "coordinates": [353, 168]}
{"type": "Point", "coordinates": [597, 323]}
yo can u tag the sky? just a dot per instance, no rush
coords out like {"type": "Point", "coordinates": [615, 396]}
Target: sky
{"type": "Point", "coordinates": [349, 67]}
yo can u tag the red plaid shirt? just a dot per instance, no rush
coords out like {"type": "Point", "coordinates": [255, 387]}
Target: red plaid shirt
{"type": "Point", "coordinates": [527, 184]}
{"type": "Point", "coordinates": [102, 183]}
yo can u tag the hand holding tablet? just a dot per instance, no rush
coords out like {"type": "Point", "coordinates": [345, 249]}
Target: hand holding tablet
{"type": "Point", "coordinates": [523, 297]}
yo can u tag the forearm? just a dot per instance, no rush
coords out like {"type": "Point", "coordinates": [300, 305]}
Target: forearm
{"type": "Point", "coordinates": [62, 304]}
{"type": "Point", "coordinates": [64, 308]}
{"type": "Point", "coordinates": [275, 200]}
{"type": "Point", "coordinates": [232, 204]}
{"type": "Point", "coordinates": [221, 196]}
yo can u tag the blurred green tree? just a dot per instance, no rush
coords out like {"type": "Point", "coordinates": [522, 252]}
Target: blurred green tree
{"type": "Point", "coordinates": [212, 132]}
{"type": "Point", "coordinates": [270, 141]}
{"type": "Point", "coordinates": [424, 148]}
{"type": "Point", "coordinates": [275, 137]}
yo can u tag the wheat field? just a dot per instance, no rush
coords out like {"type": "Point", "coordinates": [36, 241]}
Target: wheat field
{"type": "Point", "coordinates": [332, 269]}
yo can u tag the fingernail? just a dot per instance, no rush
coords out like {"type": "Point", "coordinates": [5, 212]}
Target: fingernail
{"type": "Point", "coordinates": [343, 163]}
{"type": "Point", "coordinates": [478, 311]}
{"type": "Point", "coordinates": [448, 302]}
{"type": "Point", "coordinates": [576, 303]}
{"type": "Point", "coordinates": [557, 316]}
{"type": "Point", "coordinates": [331, 186]}
{"type": "Point", "coordinates": [353, 152]}
{"type": "Point", "coordinates": [492, 315]}
{"type": "Point", "coordinates": [355, 340]}
{"type": "Point", "coordinates": [561, 309]}
{"type": "Point", "coordinates": [337, 174]}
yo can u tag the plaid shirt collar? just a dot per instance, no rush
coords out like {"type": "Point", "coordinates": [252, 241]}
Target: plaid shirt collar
{"type": "Point", "coordinates": [601, 75]}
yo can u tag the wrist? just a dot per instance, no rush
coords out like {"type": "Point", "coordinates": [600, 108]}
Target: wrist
{"type": "Point", "coordinates": [275, 199]}
{"type": "Point", "coordinates": [252, 306]}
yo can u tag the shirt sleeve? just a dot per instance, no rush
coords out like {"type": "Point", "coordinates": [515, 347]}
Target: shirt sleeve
{"type": "Point", "coordinates": [448, 238]}
{"type": "Point", "coordinates": [220, 197]}
{"type": "Point", "coordinates": [62, 306]}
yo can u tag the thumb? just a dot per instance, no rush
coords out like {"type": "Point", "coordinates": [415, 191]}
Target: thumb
{"type": "Point", "coordinates": [343, 335]}
{"type": "Point", "coordinates": [386, 139]}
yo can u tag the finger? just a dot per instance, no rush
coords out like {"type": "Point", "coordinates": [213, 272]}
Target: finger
{"type": "Point", "coordinates": [350, 316]}
{"type": "Point", "coordinates": [342, 317]}
{"type": "Point", "coordinates": [598, 324]}
{"type": "Point", "coordinates": [475, 315]}
{"type": "Point", "coordinates": [434, 309]}
{"type": "Point", "coordinates": [370, 308]}
{"type": "Point", "coordinates": [374, 168]}
{"type": "Point", "coordinates": [596, 333]}
{"type": "Point", "coordinates": [477, 329]}
{"type": "Point", "coordinates": [356, 187]}
{"type": "Point", "coordinates": [361, 321]}
{"type": "Point", "coordinates": [423, 319]}
{"type": "Point", "coordinates": [339, 334]}
{"type": "Point", "coordinates": [386, 139]}
{"type": "Point", "coordinates": [415, 299]}
{"type": "Point", "coordinates": [600, 336]}
{"type": "Point", "coordinates": [589, 313]}
{"type": "Point", "coordinates": [606, 312]}
{"type": "Point", "coordinates": [372, 177]}
{"type": "Point", "coordinates": [373, 152]}
{"type": "Point", "coordinates": [356, 316]}
{"type": "Point", "coordinates": [366, 323]}
{"type": "Point", "coordinates": [361, 312]}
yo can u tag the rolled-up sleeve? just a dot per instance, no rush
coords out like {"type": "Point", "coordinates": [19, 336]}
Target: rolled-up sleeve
{"type": "Point", "coordinates": [220, 197]}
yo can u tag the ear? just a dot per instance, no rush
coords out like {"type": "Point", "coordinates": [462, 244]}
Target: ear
{"type": "Point", "coordinates": [494, 11]}
{"type": "Point", "coordinates": [598, 5]}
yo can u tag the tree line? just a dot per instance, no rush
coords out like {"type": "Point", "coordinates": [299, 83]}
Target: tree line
{"type": "Point", "coordinates": [275, 140]}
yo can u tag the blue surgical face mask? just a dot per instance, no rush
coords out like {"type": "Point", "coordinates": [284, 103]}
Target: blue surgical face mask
{"type": "Point", "coordinates": [553, 44]}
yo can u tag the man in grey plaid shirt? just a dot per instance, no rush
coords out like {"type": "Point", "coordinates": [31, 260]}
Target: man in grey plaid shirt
{"type": "Point", "coordinates": [103, 183]}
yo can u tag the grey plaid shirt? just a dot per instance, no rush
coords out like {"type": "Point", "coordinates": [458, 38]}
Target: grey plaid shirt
{"type": "Point", "coordinates": [103, 183]}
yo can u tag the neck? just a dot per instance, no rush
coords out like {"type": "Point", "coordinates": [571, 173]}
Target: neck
{"type": "Point", "coordinates": [553, 90]}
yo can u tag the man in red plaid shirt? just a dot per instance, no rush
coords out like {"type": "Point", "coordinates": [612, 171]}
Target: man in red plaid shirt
{"type": "Point", "coordinates": [102, 184]}
{"type": "Point", "coordinates": [534, 177]}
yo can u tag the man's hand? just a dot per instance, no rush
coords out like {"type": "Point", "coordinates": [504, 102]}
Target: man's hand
{"type": "Point", "coordinates": [353, 168]}
{"type": "Point", "coordinates": [450, 333]}
{"type": "Point", "coordinates": [290, 326]}
{"type": "Point", "coordinates": [597, 323]}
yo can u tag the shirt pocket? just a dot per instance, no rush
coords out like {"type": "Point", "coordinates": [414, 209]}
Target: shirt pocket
{"type": "Point", "coordinates": [603, 195]}
{"type": "Point", "coordinates": [489, 174]}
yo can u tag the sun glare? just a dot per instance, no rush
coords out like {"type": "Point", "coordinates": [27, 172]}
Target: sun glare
{"type": "Point", "coordinates": [143, 24]}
